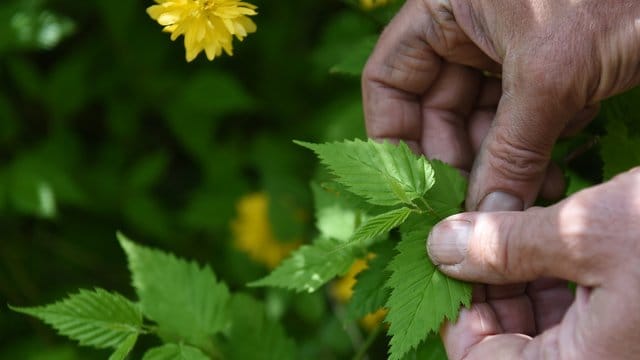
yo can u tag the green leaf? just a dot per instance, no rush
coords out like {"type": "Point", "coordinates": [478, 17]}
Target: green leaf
{"type": "Point", "coordinates": [383, 173]}
{"type": "Point", "coordinates": [381, 224]}
{"type": "Point", "coordinates": [253, 335]}
{"type": "Point", "coordinates": [186, 300]}
{"type": "Point", "coordinates": [575, 182]}
{"type": "Point", "coordinates": [175, 352]}
{"type": "Point", "coordinates": [335, 218]}
{"type": "Point", "coordinates": [430, 349]}
{"type": "Point", "coordinates": [421, 296]}
{"type": "Point", "coordinates": [620, 151]}
{"type": "Point", "coordinates": [311, 266]}
{"type": "Point", "coordinates": [125, 348]}
{"type": "Point", "coordinates": [447, 194]}
{"type": "Point", "coordinates": [370, 292]}
{"type": "Point", "coordinates": [352, 62]}
{"type": "Point", "coordinates": [94, 318]}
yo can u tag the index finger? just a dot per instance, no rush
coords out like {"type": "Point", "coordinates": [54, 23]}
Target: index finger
{"type": "Point", "coordinates": [405, 64]}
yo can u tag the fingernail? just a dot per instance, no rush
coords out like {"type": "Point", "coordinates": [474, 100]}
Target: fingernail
{"type": "Point", "coordinates": [447, 242]}
{"type": "Point", "coordinates": [500, 201]}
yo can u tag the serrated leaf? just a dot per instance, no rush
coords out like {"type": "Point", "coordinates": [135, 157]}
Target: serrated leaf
{"type": "Point", "coordinates": [175, 352]}
{"type": "Point", "coordinates": [421, 296]}
{"type": "Point", "coordinates": [186, 300]}
{"type": "Point", "coordinates": [370, 292]}
{"type": "Point", "coordinates": [311, 266]}
{"type": "Point", "coordinates": [124, 348]}
{"type": "Point", "coordinates": [447, 194]}
{"type": "Point", "coordinates": [381, 224]}
{"type": "Point", "coordinates": [620, 151]}
{"type": "Point", "coordinates": [383, 173]}
{"type": "Point", "coordinates": [430, 349]}
{"type": "Point", "coordinates": [253, 335]}
{"type": "Point", "coordinates": [95, 318]}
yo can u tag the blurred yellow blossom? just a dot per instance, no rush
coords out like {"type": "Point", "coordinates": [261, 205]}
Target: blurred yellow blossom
{"type": "Point", "coordinates": [207, 25]}
{"type": "Point", "coordinates": [342, 290]}
{"type": "Point", "coordinates": [372, 4]}
{"type": "Point", "coordinates": [252, 232]}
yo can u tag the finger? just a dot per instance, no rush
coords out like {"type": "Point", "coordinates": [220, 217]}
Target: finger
{"type": "Point", "coordinates": [554, 183]}
{"type": "Point", "coordinates": [550, 299]}
{"type": "Point", "coordinates": [513, 308]}
{"type": "Point", "coordinates": [515, 154]}
{"type": "Point", "coordinates": [510, 247]}
{"type": "Point", "coordinates": [405, 63]}
{"type": "Point", "coordinates": [399, 71]}
{"type": "Point", "coordinates": [445, 108]}
{"type": "Point", "coordinates": [473, 325]}
{"type": "Point", "coordinates": [581, 120]}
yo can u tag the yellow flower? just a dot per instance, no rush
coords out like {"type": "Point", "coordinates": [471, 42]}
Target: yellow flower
{"type": "Point", "coordinates": [342, 290]}
{"type": "Point", "coordinates": [372, 4]}
{"type": "Point", "coordinates": [252, 232]}
{"type": "Point", "coordinates": [207, 25]}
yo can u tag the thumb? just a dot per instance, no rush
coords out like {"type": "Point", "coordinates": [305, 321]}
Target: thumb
{"type": "Point", "coordinates": [512, 161]}
{"type": "Point", "coordinates": [509, 247]}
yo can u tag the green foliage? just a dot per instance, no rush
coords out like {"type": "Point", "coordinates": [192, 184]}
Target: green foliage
{"type": "Point", "coordinates": [620, 150]}
{"type": "Point", "coordinates": [124, 348]}
{"type": "Point", "coordinates": [383, 173]}
{"type": "Point", "coordinates": [194, 304]}
{"type": "Point", "coordinates": [353, 62]}
{"type": "Point", "coordinates": [93, 318]}
{"type": "Point", "coordinates": [421, 296]}
{"type": "Point", "coordinates": [187, 303]}
{"type": "Point", "coordinates": [370, 292]}
{"type": "Point", "coordinates": [255, 336]}
{"type": "Point", "coordinates": [312, 266]}
{"type": "Point", "coordinates": [381, 224]}
{"type": "Point", "coordinates": [104, 125]}
{"type": "Point", "coordinates": [175, 352]}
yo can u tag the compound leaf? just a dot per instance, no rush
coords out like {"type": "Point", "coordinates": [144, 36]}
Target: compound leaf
{"type": "Point", "coordinates": [383, 173]}
{"type": "Point", "coordinates": [94, 318]}
{"type": "Point", "coordinates": [421, 296]}
{"type": "Point", "coordinates": [186, 300]}
{"type": "Point", "coordinates": [311, 266]}
{"type": "Point", "coordinates": [381, 224]}
{"type": "Point", "coordinates": [175, 352]}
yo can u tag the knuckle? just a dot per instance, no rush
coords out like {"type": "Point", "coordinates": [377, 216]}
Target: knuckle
{"type": "Point", "coordinates": [515, 157]}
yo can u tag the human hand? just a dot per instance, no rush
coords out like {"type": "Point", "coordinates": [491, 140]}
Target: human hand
{"type": "Point", "coordinates": [557, 60]}
{"type": "Point", "coordinates": [590, 238]}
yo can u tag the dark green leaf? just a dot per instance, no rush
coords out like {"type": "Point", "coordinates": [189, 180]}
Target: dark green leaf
{"type": "Point", "coordinates": [253, 335]}
{"type": "Point", "coordinates": [186, 300]}
{"type": "Point", "coordinates": [370, 292]}
{"type": "Point", "coordinates": [93, 318]}
{"type": "Point", "coordinates": [421, 296]}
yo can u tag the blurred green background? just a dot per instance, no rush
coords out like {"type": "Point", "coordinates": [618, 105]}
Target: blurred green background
{"type": "Point", "coordinates": [104, 126]}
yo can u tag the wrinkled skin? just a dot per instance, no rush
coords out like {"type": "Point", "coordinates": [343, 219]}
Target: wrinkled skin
{"type": "Point", "coordinates": [489, 86]}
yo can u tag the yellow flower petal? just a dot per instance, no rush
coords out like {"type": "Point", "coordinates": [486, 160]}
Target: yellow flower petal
{"type": "Point", "coordinates": [207, 25]}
